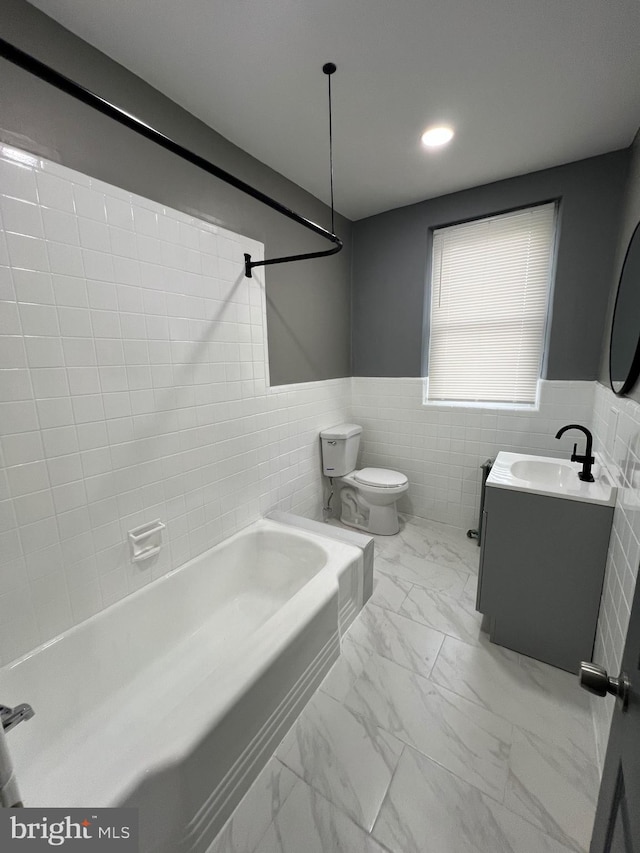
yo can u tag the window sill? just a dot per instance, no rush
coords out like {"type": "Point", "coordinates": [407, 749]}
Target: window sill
{"type": "Point", "coordinates": [480, 404]}
{"type": "Point", "coordinates": [457, 404]}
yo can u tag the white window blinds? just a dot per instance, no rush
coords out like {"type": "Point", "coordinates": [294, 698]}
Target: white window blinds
{"type": "Point", "coordinates": [489, 293]}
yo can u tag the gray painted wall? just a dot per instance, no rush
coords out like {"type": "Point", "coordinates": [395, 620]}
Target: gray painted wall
{"type": "Point", "coordinates": [391, 266]}
{"type": "Point", "coordinates": [630, 218]}
{"type": "Point", "coordinates": [308, 304]}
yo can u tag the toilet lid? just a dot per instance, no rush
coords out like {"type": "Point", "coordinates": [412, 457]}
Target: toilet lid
{"type": "Point", "coordinates": [381, 477]}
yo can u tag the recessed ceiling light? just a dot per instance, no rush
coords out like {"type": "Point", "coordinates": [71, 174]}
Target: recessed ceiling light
{"type": "Point", "coordinates": [435, 136]}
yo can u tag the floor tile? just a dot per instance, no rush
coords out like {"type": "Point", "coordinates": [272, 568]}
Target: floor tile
{"type": "Point", "coordinates": [397, 638]}
{"type": "Point", "coordinates": [471, 588]}
{"type": "Point", "coordinates": [438, 543]}
{"type": "Point", "coordinates": [343, 756]}
{"type": "Point", "coordinates": [457, 617]}
{"type": "Point", "coordinates": [559, 686]}
{"type": "Point", "coordinates": [537, 697]}
{"type": "Point", "coordinates": [309, 823]}
{"type": "Point", "coordinates": [429, 809]}
{"type": "Point", "coordinates": [417, 570]}
{"type": "Point", "coordinates": [349, 666]}
{"type": "Point", "coordinates": [468, 740]}
{"type": "Point", "coordinates": [388, 592]}
{"type": "Point", "coordinates": [444, 545]}
{"type": "Point", "coordinates": [258, 808]}
{"type": "Point", "coordinates": [554, 788]}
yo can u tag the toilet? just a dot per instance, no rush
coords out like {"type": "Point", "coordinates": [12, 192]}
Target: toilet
{"type": "Point", "coordinates": [368, 496]}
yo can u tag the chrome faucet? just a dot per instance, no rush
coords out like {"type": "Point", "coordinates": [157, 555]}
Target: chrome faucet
{"type": "Point", "coordinates": [587, 460]}
{"type": "Point", "coordinates": [10, 717]}
{"type": "Point", "coordinates": [9, 792]}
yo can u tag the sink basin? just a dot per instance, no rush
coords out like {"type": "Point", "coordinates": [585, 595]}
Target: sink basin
{"type": "Point", "coordinates": [544, 475]}
{"type": "Point", "coordinates": [558, 474]}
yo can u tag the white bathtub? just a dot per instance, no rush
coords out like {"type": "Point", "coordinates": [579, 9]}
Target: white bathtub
{"type": "Point", "coordinates": [173, 699]}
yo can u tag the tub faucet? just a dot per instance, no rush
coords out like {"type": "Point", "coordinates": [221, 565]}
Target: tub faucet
{"type": "Point", "coordinates": [10, 717]}
{"type": "Point", "coordinates": [587, 460]}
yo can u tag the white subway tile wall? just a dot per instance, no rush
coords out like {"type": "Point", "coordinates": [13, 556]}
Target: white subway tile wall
{"type": "Point", "coordinates": [133, 386]}
{"type": "Point", "coordinates": [617, 435]}
{"type": "Point", "coordinates": [441, 448]}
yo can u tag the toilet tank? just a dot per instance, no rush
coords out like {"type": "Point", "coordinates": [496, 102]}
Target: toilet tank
{"type": "Point", "coordinates": [340, 449]}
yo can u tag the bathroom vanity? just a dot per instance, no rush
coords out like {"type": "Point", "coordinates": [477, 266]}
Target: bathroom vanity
{"type": "Point", "coordinates": [545, 536]}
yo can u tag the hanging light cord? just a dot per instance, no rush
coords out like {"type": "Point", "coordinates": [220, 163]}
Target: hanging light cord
{"type": "Point", "coordinates": [329, 68]}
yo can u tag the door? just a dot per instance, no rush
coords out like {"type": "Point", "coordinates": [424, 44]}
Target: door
{"type": "Point", "coordinates": [617, 823]}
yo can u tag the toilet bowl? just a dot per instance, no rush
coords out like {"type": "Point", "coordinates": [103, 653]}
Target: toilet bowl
{"type": "Point", "coordinates": [368, 496]}
{"type": "Point", "coordinates": [376, 491]}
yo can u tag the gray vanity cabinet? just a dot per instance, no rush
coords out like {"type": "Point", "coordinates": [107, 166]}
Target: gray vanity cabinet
{"type": "Point", "coordinates": [541, 573]}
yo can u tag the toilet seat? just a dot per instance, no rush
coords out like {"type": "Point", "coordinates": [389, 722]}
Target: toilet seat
{"type": "Point", "coordinates": [381, 478]}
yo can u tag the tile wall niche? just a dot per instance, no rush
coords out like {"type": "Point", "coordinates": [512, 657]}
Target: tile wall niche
{"type": "Point", "coordinates": [616, 426]}
{"type": "Point", "coordinates": [441, 448]}
{"type": "Point", "coordinates": [133, 386]}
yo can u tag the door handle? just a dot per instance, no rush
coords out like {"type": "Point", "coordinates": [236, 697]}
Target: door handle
{"type": "Point", "coordinates": [596, 680]}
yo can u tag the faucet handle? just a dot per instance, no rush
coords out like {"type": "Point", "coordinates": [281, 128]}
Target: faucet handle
{"type": "Point", "coordinates": [10, 717]}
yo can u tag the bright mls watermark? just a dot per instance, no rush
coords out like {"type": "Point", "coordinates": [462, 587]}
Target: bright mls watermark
{"type": "Point", "coordinates": [70, 829]}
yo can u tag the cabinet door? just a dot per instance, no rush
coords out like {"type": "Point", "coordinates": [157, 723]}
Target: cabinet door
{"type": "Point", "coordinates": [542, 571]}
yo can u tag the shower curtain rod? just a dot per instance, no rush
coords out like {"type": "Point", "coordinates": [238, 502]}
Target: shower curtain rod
{"type": "Point", "coordinates": [55, 78]}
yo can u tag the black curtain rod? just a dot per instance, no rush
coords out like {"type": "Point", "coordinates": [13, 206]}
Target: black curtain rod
{"type": "Point", "coordinates": [55, 78]}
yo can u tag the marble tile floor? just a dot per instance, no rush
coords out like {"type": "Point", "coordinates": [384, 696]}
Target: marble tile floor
{"type": "Point", "coordinates": [425, 737]}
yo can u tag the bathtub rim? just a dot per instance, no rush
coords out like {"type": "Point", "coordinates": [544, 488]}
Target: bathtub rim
{"type": "Point", "coordinates": [264, 523]}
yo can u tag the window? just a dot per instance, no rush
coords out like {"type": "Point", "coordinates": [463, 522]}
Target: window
{"type": "Point", "coordinates": [489, 293]}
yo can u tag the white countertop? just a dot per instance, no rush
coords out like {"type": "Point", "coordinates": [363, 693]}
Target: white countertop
{"type": "Point", "coordinates": [557, 478]}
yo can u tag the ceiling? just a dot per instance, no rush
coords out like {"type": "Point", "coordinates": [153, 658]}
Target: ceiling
{"type": "Point", "coordinates": [527, 84]}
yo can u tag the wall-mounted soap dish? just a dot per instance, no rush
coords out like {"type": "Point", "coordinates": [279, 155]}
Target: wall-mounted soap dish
{"type": "Point", "coordinates": [146, 540]}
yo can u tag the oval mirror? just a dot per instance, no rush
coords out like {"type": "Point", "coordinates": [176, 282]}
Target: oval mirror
{"type": "Point", "coordinates": [624, 349]}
